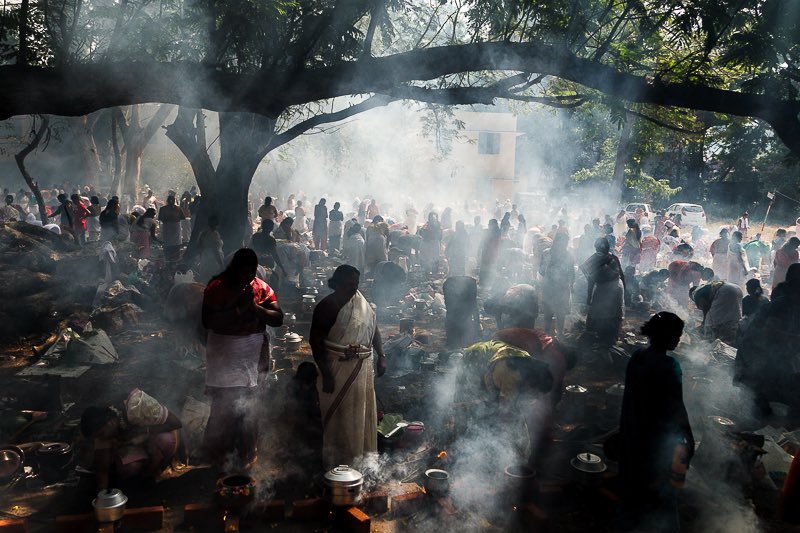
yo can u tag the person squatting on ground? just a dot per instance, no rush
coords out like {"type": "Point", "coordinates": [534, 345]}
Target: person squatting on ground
{"type": "Point", "coordinates": [136, 437]}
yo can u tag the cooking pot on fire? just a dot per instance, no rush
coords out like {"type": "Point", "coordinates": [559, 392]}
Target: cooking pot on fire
{"type": "Point", "coordinates": [588, 468]}
{"type": "Point", "coordinates": [437, 482]}
{"type": "Point", "coordinates": [344, 485]}
{"type": "Point", "coordinates": [109, 506]}
{"type": "Point", "coordinates": [519, 482]}
{"type": "Point", "coordinates": [235, 492]}
{"type": "Point", "coordinates": [53, 459]}
{"type": "Point", "coordinates": [292, 342]}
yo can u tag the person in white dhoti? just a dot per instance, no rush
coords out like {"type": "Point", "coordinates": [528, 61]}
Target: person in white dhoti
{"type": "Point", "coordinates": [344, 336]}
{"type": "Point", "coordinates": [738, 266]}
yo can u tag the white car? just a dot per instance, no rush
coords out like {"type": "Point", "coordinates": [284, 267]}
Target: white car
{"type": "Point", "coordinates": [691, 214]}
{"type": "Point", "coordinates": [630, 212]}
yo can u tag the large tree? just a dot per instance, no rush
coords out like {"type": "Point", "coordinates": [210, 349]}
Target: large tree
{"type": "Point", "coordinates": [286, 60]}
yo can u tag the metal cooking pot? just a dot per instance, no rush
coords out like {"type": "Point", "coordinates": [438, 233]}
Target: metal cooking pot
{"type": "Point", "coordinates": [109, 506]}
{"type": "Point", "coordinates": [588, 468]}
{"type": "Point", "coordinates": [53, 459]}
{"type": "Point", "coordinates": [235, 492]}
{"type": "Point", "coordinates": [12, 464]}
{"type": "Point", "coordinates": [519, 482]}
{"type": "Point", "coordinates": [344, 485]}
{"type": "Point", "coordinates": [292, 342]}
{"type": "Point", "coordinates": [437, 482]}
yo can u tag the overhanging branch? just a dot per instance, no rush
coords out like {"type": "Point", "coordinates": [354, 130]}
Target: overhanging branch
{"type": "Point", "coordinates": [81, 89]}
{"type": "Point", "coordinates": [325, 118]}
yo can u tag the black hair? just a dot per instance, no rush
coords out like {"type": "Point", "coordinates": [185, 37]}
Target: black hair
{"type": "Point", "coordinates": [243, 258]}
{"type": "Point", "coordinates": [342, 272]}
{"type": "Point", "coordinates": [707, 274]}
{"type": "Point", "coordinates": [663, 329]}
{"type": "Point", "coordinates": [754, 287]}
{"type": "Point", "coordinates": [355, 228]}
{"type": "Point", "coordinates": [307, 372]}
{"type": "Point", "coordinates": [94, 419]}
{"type": "Point", "coordinates": [149, 213]}
{"type": "Point", "coordinates": [602, 245]}
{"type": "Point", "coordinates": [213, 222]}
{"type": "Point", "coordinates": [793, 274]}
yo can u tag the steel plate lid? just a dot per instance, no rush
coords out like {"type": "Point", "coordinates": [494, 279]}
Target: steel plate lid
{"type": "Point", "coordinates": [110, 498]}
{"type": "Point", "coordinates": [343, 474]}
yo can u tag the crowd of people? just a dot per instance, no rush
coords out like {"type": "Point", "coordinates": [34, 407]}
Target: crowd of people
{"type": "Point", "coordinates": [568, 265]}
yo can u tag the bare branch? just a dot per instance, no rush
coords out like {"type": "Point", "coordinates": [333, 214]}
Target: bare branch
{"type": "Point", "coordinates": [663, 124]}
{"type": "Point", "coordinates": [325, 118]}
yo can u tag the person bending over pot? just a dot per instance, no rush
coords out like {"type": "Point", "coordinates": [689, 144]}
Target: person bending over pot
{"type": "Point", "coordinates": [137, 437]}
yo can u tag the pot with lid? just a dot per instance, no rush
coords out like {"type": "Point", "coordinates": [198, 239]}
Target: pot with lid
{"type": "Point", "coordinates": [109, 506]}
{"type": "Point", "coordinates": [343, 485]}
{"type": "Point", "coordinates": [292, 342]}
{"type": "Point", "coordinates": [309, 302]}
{"type": "Point", "coordinates": [54, 460]}
{"type": "Point", "coordinates": [588, 468]}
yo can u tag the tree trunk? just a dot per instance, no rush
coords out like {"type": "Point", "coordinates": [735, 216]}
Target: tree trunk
{"type": "Point", "coordinates": [20, 156]}
{"type": "Point", "coordinates": [694, 168]}
{"type": "Point", "coordinates": [243, 139]}
{"type": "Point", "coordinates": [618, 182]}
{"type": "Point", "coordinates": [696, 164]}
{"type": "Point", "coordinates": [83, 127]}
{"type": "Point", "coordinates": [136, 140]}
{"type": "Point", "coordinates": [117, 162]}
{"type": "Point", "coordinates": [133, 170]}
{"type": "Point", "coordinates": [22, 51]}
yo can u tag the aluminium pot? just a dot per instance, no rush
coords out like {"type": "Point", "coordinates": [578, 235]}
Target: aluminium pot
{"type": "Point", "coordinates": [588, 469]}
{"type": "Point", "coordinates": [343, 485]}
{"type": "Point", "coordinates": [109, 506]}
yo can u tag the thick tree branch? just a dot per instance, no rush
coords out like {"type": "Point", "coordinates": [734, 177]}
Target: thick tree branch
{"type": "Point", "coordinates": [82, 89]}
{"type": "Point", "coordinates": [481, 95]}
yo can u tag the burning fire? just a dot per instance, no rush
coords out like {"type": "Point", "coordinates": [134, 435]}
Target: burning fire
{"type": "Point", "coordinates": [442, 454]}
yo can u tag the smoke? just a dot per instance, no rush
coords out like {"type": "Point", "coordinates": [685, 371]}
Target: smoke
{"type": "Point", "coordinates": [709, 393]}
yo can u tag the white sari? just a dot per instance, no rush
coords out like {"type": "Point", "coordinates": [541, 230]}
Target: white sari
{"type": "Point", "coordinates": [349, 413]}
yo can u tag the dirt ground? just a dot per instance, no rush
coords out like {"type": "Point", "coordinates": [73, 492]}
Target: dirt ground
{"type": "Point", "coordinates": [148, 359]}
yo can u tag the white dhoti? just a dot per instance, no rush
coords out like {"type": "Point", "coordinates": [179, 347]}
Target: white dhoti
{"type": "Point", "coordinates": [349, 413]}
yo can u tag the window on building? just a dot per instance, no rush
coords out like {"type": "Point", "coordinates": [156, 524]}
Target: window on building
{"type": "Point", "coordinates": [488, 143]}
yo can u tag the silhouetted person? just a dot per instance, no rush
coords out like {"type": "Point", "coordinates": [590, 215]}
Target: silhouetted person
{"type": "Point", "coordinates": [654, 428]}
